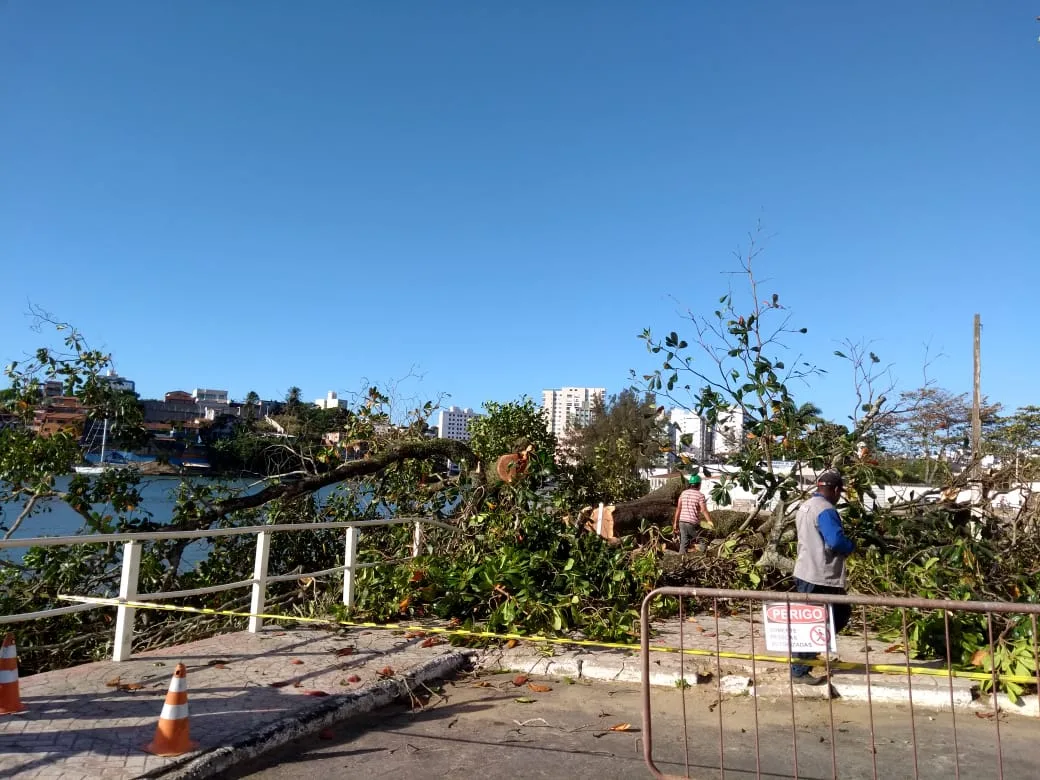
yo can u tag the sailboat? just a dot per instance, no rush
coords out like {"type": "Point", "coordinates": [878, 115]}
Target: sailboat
{"type": "Point", "coordinates": [101, 467]}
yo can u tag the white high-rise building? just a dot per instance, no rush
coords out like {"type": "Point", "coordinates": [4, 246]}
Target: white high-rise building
{"type": "Point", "coordinates": [569, 407]}
{"type": "Point", "coordinates": [453, 423]}
{"type": "Point", "coordinates": [331, 401]}
{"type": "Point", "coordinates": [729, 432]}
{"type": "Point", "coordinates": [687, 424]}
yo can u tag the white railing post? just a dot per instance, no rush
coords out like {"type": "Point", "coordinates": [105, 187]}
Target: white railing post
{"type": "Point", "coordinates": [256, 604]}
{"type": "Point", "coordinates": [124, 638]}
{"type": "Point", "coordinates": [349, 559]}
{"type": "Point", "coordinates": [417, 539]}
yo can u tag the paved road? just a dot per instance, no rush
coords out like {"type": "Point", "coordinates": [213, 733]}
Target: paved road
{"type": "Point", "coordinates": [564, 733]}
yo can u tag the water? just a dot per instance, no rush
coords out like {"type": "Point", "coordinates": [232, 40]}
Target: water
{"type": "Point", "coordinates": [158, 497]}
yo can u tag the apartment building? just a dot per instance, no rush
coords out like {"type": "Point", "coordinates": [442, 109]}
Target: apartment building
{"type": "Point", "coordinates": [728, 433]}
{"type": "Point", "coordinates": [569, 407]}
{"type": "Point", "coordinates": [453, 423]}
{"type": "Point", "coordinates": [690, 434]}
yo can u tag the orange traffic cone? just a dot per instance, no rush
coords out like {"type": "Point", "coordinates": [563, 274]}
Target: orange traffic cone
{"type": "Point", "coordinates": [10, 698]}
{"type": "Point", "coordinates": [171, 736]}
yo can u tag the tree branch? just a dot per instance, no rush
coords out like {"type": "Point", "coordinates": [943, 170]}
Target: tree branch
{"type": "Point", "coordinates": [410, 450]}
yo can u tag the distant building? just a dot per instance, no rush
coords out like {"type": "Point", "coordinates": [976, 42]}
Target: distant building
{"type": "Point", "coordinates": [63, 413]}
{"type": "Point", "coordinates": [177, 406]}
{"type": "Point", "coordinates": [728, 433]}
{"type": "Point", "coordinates": [690, 434]}
{"type": "Point", "coordinates": [207, 397]}
{"type": "Point", "coordinates": [330, 401]}
{"type": "Point", "coordinates": [52, 389]}
{"type": "Point", "coordinates": [453, 423]}
{"type": "Point", "coordinates": [570, 407]}
{"type": "Point", "coordinates": [119, 383]}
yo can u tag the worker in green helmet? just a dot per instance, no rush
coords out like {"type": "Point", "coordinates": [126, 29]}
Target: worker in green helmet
{"type": "Point", "coordinates": [691, 514]}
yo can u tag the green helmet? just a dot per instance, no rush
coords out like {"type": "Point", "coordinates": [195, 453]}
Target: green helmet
{"type": "Point", "coordinates": [695, 479]}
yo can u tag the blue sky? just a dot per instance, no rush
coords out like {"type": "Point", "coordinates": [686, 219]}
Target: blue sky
{"type": "Point", "coordinates": [499, 197]}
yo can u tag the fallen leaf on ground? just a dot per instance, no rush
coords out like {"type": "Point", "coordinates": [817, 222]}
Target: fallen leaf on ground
{"type": "Point", "coordinates": [344, 651]}
{"type": "Point", "coordinates": [432, 642]}
{"type": "Point", "coordinates": [220, 666]}
{"type": "Point", "coordinates": [539, 688]}
{"type": "Point", "coordinates": [296, 662]}
{"type": "Point", "coordinates": [113, 683]}
{"type": "Point", "coordinates": [983, 714]}
{"type": "Point", "coordinates": [519, 680]}
{"type": "Point", "coordinates": [315, 693]}
{"type": "Point", "coordinates": [354, 678]}
{"type": "Point", "coordinates": [326, 734]}
{"type": "Point", "coordinates": [621, 727]}
{"type": "Point", "coordinates": [131, 687]}
{"type": "Point", "coordinates": [894, 649]}
{"type": "Point", "coordinates": [525, 700]}
{"type": "Point", "coordinates": [482, 684]}
{"type": "Point", "coordinates": [385, 672]}
{"type": "Point", "coordinates": [511, 644]}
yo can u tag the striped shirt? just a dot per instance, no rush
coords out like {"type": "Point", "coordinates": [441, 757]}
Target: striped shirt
{"type": "Point", "coordinates": [691, 505]}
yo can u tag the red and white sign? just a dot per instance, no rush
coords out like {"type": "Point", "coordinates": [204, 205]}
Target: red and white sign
{"type": "Point", "coordinates": [799, 628]}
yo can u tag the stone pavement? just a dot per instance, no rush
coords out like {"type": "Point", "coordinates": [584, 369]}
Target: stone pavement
{"type": "Point", "coordinates": [249, 693]}
{"type": "Point", "coordinates": [245, 693]}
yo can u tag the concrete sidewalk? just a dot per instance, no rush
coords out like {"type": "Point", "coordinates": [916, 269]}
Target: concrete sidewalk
{"type": "Point", "coordinates": [249, 693]}
{"type": "Point", "coordinates": [246, 693]}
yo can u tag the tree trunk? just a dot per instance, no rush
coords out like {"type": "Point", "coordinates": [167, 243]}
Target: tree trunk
{"type": "Point", "coordinates": [771, 557]}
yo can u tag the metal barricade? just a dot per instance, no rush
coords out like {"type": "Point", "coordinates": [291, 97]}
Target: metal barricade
{"type": "Point", "coordinates": [966, 713]}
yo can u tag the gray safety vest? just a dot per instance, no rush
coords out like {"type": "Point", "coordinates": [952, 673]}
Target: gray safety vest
{"type": "Point", "coordinates": [815, 562]}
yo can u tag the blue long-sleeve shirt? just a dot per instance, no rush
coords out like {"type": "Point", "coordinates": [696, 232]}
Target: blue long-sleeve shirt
{"type": "Point", "coordinates": [829, 524]}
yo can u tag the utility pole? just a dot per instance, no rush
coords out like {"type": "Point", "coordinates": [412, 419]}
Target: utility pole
{"type": "Point", "coordinates": [976, 404]}
{"type": "Point", "coordinates": [975, 478]}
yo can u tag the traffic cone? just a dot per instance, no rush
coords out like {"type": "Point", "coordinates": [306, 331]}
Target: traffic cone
{"type": "Point", "coordinates": [10, 698]}
{"type": "Point", "coordinates": [171, 735]}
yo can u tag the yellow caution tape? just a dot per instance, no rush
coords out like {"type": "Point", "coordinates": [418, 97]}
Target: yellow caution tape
{"type": "Point", "coordinates": [465, 632]}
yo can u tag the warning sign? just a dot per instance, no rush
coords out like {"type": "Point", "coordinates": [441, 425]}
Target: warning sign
{"type": "Point", "coordinates": [802, 628]}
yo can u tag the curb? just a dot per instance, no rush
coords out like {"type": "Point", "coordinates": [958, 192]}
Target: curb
{"type": "Point", "coordinates": [931, 694]}
{"type": "Point", "coordinates": [309, 720]}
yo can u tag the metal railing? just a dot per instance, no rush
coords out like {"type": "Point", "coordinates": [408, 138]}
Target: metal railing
{"type": "Point", "coordinates": [131, 567]}
{"type": "Point", "coordinates": [741, 606]}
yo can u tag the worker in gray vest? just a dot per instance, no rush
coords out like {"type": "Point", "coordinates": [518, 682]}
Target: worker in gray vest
{"type": "Point", "coordinates": [820, 565]}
